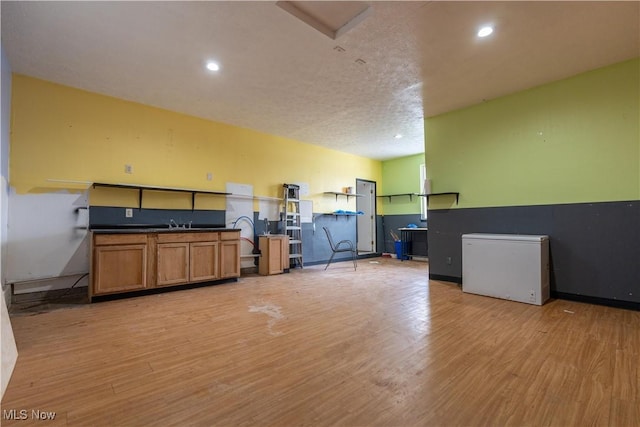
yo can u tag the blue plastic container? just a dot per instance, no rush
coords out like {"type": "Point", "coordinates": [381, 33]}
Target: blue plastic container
{"type": "Point", "coordinates": [400, 252]}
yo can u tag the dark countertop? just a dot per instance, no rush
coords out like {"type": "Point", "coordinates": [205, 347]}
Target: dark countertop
{"type": "Point", "coordinates": [130, 230]}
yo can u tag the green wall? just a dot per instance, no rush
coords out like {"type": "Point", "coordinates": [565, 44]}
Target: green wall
{"type": "Point", "coordinates": [571, 141]}
{"type": "Point", "coordinates": [401, 175]}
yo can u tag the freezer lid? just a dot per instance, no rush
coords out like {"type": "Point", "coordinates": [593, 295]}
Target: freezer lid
{"type": "Point", "coordinates": [509, 237]}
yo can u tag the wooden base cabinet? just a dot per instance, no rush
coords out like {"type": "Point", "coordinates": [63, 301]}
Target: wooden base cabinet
{"type": "Point", "coordinates": [274, 254]}
{"type": "Point", "coordinates": [136, 261]}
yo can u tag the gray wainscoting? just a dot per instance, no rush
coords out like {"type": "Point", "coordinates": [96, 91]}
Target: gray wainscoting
{"type": "Point", "coordinates": [393, 223]}
{"type": "Point", "coordinates": [595, 247]}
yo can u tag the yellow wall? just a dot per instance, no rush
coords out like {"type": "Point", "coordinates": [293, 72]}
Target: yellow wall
{"type": "Point", "coordinates": [63, 133]}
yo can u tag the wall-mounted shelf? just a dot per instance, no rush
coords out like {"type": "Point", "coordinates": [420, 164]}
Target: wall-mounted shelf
{"type": "Point", "coordinates": [265, 198]}
{"type": "Point", "coordinates": [343, 213]}
{"type": "Point", "coordinates": [412, 195]}
{"type": "Point", "coordinates": [338, 193]}
{"type": "Point", "coordinates": [443, 194]}
{"type": "Point", "coordinates": [141, 189]}
{"type": "Point", "coordinates": [337, 214]}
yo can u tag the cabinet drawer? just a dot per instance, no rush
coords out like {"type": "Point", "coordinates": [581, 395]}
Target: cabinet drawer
{"type": "Point", "coordinates": [204, 237]}
{"type": "Point", "coordinates": [230, 235]}
{"type": "Point", "coordinates": [119, 239]}
{"type": "Point", "coordinates": [187, 237]}
{"type": "Point", "coordinates": [174, 237]}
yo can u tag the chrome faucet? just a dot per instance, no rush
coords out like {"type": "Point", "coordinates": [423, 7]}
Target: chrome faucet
{"type": "Point", "coordinates": [173, 224]}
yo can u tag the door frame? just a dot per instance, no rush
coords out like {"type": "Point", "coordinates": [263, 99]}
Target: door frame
{"type": "Point", "coordinates": [370, 200]}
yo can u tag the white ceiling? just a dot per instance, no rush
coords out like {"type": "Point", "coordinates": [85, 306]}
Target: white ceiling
{"type": "Point", "coordinates": [403, 62]}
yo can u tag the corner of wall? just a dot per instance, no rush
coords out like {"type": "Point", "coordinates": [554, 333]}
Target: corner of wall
{"type": "Point", "coordinates": [9, 353]}
{"type": "Point", "coordinates": [5, 116]}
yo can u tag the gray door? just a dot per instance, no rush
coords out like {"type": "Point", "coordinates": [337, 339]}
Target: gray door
{"type": "Point", "coordinates": [366, 224]}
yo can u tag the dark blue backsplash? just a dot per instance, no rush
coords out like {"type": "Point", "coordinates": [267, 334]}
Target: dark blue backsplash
{"type": "Point", "coordinates": [105, 217]}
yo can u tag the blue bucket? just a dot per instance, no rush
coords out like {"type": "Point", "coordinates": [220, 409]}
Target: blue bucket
{"type": "Point", "coordinates": [400, 254]}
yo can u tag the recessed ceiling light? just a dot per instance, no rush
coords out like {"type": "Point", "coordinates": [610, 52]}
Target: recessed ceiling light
{"type": "Point", "coordinates": [398, 136]}
{"type": "Point", "coordinates": [212, 66]}
{"type": "Point", "coordinates": [485, 31]}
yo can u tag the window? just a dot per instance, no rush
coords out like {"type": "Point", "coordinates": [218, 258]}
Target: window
{"type": "Point", "coordinates": [423, 200]}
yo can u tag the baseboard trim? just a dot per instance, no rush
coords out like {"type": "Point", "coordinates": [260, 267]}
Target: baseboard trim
{"type": "Point", "coordinates": [160, 290]}
{"type": "Point", "coordinates": [442, 278]}
{"type": "Point", "coordinates": [310, 263]}
{"type": "Point", "coordinates": [248, 270]}
{"type": "Point", "coordinates": [628, 305]}
{"type": "Point", "coordinates": [6, 290]}
{"type": "Point", "coordinates": [370, 255]}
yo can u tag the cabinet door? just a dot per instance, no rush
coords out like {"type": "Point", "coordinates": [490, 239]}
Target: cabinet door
{"type": "Point", "coordinates": [271, 255]}
{"type": "Point", "coordinates": [173, 263]}
{"type": "Point", "coordinates": [275, 255]}
{"type": "Point", "coordinates": [203, 261]}
{"type": "Point", "coordinates": [119, 268]}
{"type": "Point", "coordinates": [229, 258]}
{"type": "Point", "coordinates": [285, 253]}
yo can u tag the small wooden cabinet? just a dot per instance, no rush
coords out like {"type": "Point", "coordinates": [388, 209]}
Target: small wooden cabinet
{"type": "Point", "coordinates": [274, 254]}
{"type": "Point", "coordinates": [135, 261]}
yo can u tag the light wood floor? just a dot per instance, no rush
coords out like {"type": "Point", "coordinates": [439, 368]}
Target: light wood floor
{"type": "Point", "coordinates": [380, 346]}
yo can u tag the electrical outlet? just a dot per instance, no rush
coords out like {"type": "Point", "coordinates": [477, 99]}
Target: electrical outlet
{"type": "Point", "coordinates": [209, 176]}
{"type": "Point", "coordinates": [448, 260]}
{"type": "Point", "coordinates": [128, 169]}
{"type": "Point", "coordinates": [128, 213]}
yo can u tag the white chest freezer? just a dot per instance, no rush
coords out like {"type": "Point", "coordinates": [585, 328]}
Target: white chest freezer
{"type": "Point", "coordinates": [507, 266]}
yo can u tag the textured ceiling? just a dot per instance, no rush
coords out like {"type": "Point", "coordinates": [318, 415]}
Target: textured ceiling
{"type": "Point", "coordinates": [404, 61]}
